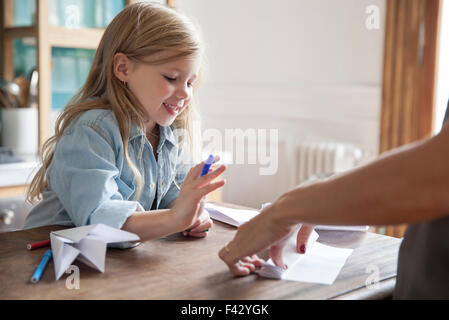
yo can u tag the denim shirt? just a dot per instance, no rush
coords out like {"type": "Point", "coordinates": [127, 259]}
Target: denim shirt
{"type": "Point", "coordinates": [91, 182]}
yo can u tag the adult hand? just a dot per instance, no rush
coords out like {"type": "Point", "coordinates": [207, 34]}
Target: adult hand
{"type": "Point", "coordinates": [252, 237]}
{"type": "Point", "coordinates": [302, 238]}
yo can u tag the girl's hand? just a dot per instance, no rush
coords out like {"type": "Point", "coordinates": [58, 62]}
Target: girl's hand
{"type": "Point", "coordinates": [201, 227]}
{"type": "Point", "coordinates": [188, 208]}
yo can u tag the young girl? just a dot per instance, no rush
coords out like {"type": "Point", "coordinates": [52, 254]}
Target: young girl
{"type": "Point", "coordinates": [119, 155]}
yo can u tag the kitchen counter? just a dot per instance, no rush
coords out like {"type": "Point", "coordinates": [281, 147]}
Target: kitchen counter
{"type": "Point", "coordinates": [19, 173]}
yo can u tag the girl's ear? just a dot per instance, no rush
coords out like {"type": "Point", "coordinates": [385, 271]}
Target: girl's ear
{"type": "Point", "coordinates": [121, 66]}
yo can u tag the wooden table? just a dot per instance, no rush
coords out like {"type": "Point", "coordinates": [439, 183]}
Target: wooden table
{"type": "Point", "coordinates": [177, 267]}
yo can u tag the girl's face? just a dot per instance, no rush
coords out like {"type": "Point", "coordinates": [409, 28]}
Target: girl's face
{"type": "Point", "coordinates": [164, 90]}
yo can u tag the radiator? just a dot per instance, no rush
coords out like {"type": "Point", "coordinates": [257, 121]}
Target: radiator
{"type": "Point", "coordinates": [323, 158]}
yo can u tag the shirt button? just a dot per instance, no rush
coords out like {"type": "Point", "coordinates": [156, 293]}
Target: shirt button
{"type": "Point", "coordinates": [152, 185]}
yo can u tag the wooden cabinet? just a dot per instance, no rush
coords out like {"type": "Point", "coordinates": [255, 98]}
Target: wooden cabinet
{"type": "Point", "coordinates": [46, 36]}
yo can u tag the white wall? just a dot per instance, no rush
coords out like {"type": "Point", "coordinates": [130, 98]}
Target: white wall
{"type": "Point", "coordinates": [307, 68]}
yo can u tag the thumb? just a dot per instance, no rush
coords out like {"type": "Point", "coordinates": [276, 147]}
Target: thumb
{"type": "Point", "coordinates": [303, 237]}
{"type": "Point", "coordinates": [276, 253]}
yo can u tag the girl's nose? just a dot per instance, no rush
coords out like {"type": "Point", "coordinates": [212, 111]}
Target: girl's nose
{"type": "Point", "coordinates": [183, 92]}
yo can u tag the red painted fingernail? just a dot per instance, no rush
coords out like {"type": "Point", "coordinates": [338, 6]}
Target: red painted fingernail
{"type": "Point", "coordinates": [302, 249]}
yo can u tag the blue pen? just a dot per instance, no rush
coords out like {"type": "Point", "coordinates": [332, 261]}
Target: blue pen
{"type": "Point", "coordinates": [40, 269]}
{"type": "Point", "coordinates": [205, 171]}
{"type": "Point", "coordinates": [207, 165]}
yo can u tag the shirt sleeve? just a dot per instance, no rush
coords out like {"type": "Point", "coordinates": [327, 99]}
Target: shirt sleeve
{"type": "Point", "coordinates": [182, 168]}
{"type": "Point", "coordinates": [83, 175]}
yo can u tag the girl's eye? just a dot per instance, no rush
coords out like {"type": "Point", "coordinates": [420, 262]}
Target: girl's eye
{"type": "Point", "coordinates": [169, 79]}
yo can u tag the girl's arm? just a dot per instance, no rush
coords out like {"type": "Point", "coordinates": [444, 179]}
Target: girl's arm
{"type": "Point", "coordinates": [152, 225]}
{"type": "Point", "coordinates": [185, 212]}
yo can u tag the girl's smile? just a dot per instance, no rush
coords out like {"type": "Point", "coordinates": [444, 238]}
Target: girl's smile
{"type": "Point", "coordinates": [164, 90]}
{"type": "Point", "coordinates": [173, 110]}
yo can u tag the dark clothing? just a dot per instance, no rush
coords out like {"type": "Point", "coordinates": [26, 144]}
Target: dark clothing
{"type": "Point", "coordinates": [423, 266]}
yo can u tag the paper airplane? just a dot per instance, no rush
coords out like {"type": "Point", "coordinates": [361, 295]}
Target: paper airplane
{"type": "Point", "coordinates": [87, 243]}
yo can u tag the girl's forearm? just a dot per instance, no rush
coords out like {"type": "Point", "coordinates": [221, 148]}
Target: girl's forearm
{"type": "Point", "coordinates": [153, 224]}
{"type": "Point", "coordinates": [405, 186]}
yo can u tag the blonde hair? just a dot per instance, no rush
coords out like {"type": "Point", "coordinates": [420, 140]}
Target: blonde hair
{"type": "Point", "coordinates": [139, 31]}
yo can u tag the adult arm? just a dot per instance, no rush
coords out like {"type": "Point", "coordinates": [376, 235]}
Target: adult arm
{"type": "Point", "coordinates": [407, 185]}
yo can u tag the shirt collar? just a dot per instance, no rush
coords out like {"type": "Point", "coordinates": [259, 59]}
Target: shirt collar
{"type": "Point", "coordinates": [166, 134]}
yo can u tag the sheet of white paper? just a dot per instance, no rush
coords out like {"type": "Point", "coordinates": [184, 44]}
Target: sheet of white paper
{"type": "Point", "coordinates": [88, 243]}
{"type": "Point", "coordinates": [289, 256]}
{"type": "Point", "coordinates": [321, 264]}
{"type": "Point", "coordinates": [342, 228]}
{"type": "Point", "coordinates": [236, 217]}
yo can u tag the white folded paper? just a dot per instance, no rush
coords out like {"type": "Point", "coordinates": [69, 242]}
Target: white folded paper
{"type": "Point", "coordinates": [342, 228]}
{"type": "Point", "coordinates": [87, 243]}
{"type": "Point", "coordinates": [290, 258]}
{"type": "Point", "coordinates": [237, 217]}
{"type": "Point", "coordinates": [234, 217]}
{"type": "Point", "coordinates": [320, 264]}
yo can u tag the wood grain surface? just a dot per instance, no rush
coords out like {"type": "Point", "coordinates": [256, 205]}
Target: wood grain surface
{"type": "Point", "coordinates": [178, 267]}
